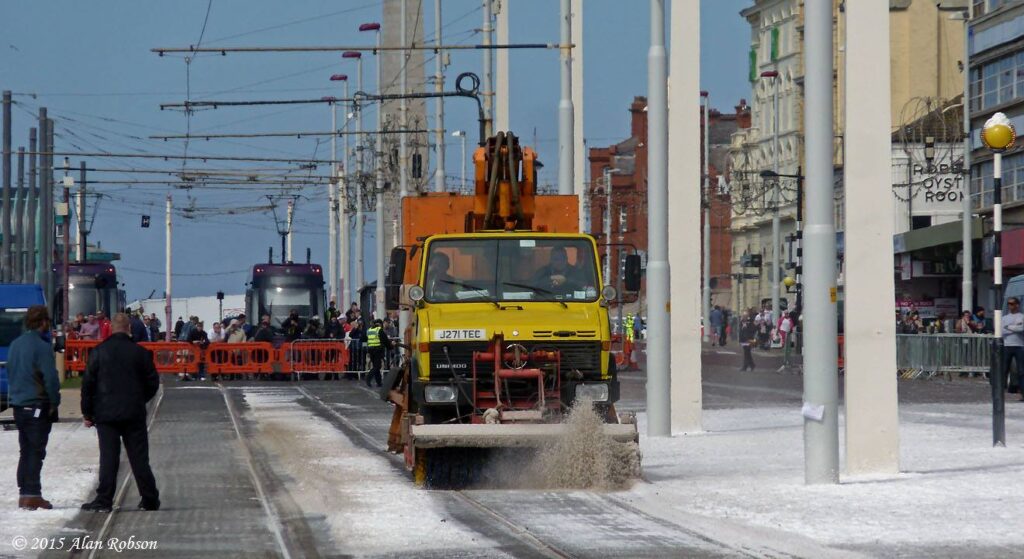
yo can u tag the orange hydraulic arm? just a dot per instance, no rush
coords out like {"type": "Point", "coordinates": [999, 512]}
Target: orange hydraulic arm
{"type": "Point", "coordinates": [506, 182]}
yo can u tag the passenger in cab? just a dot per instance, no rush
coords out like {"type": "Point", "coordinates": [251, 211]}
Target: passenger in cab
{"type": "Point", "coordinates": [558, 276]}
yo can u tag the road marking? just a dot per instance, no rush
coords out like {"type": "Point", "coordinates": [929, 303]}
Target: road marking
{"type": "Point", "coordinates": [274, 522]}
{"type": "Point", "coordinates": [724, 352]}
{"type": "Point", "coordinates": [523, 533]}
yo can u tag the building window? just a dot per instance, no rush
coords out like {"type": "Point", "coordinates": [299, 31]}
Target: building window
{"type": "Point", "coordinates": [1013, 181]}
{"type": "Point", "coordinates": [997, 82]}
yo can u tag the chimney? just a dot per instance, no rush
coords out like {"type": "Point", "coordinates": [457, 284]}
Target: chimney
{"type": "Point", "coordinates": [743, 115]}
{"type": "Point", "coordinates": [638, 118]}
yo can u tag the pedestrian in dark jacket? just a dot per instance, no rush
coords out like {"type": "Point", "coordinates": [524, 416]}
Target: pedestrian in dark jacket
{"type": "Point", "coordinates": [177, 328]}
{"type": "Point", "coordinates": [34, 393]}
{"type": "Point", "coordinates": [138, 329]}
{"type": "Point", "coordinates": [119, 380]}
{"type": "Point", "coordinates": [748, 337]}
{"type": "Point", "coordinates": [264, 333]}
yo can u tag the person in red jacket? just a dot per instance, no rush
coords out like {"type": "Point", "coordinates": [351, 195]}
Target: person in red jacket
{"type": "Point", "coordinates": [104, 325]}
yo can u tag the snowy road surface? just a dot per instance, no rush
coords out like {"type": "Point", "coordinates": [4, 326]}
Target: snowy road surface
{"type": "Point", "coordinates": [297, 470]}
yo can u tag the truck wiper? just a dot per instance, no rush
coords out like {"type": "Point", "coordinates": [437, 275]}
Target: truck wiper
{"type": "Point", "coordinates": [537, 289]}
{"type": "Point", "coordinates": [474, 288]}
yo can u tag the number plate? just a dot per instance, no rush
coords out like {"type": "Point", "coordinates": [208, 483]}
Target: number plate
{"type": "Point", "coordinates": [461, 334]}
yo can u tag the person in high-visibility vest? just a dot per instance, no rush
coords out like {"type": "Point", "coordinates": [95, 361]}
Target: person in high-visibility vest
{"type": "Point", "coordinates": [627, 345]}
{"type": "Point", "coordinates": [377, 342]}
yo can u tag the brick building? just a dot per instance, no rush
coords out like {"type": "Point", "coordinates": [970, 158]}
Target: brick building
{"type": "Point", "coordinates": [627, 161]}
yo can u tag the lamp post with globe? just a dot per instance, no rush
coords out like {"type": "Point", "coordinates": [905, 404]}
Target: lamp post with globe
{"type": "Point", "coordinates": [998, 135]}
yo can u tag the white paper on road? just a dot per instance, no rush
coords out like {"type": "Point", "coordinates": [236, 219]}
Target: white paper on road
{"type": "Point", "coordinates": [813, 412]}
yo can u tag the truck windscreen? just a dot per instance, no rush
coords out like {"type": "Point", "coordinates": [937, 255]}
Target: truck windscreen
{"type": "Point", "coordinates": [509, 270]}
{"type": "Point", "coordinates": [10, 326]}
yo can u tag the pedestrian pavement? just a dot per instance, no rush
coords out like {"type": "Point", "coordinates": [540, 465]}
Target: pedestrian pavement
{"type": "Point", "coordinates": [211, 507]}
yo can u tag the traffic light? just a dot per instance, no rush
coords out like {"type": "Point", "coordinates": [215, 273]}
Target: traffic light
{"type": "Point", "coordinates": [145, 221]}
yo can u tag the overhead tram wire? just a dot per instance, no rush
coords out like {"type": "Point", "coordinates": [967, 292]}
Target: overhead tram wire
{"type": "Point", "coordinates": [361, 48]}
{"type": "Point", "coordinates": [296, 160]}
{"type": "Point", "coordinates": [298, 135]}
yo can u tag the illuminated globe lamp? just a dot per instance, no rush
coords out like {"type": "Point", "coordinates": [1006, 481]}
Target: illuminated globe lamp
{"type": "Point", "coordinates": [998, 134]}
{"type": "Point", "coordinates": [789, 281]}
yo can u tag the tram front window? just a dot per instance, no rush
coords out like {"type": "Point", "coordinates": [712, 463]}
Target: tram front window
{"type": "Point", "coordinates": [86, 299]}
{"type": "Point", "coordinates": [279, 301]}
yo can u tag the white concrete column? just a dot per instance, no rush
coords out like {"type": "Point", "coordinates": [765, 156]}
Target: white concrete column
{"type": "Point", "coordinates": [872, 419]}
{"type": "Point", "coordinates": [684, 174]}
{"type": "Point", "coordinates": [580, 150]}
{"type": "Point", "coordinates": [501, 77]}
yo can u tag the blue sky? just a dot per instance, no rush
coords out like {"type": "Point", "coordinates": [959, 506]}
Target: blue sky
{"type": "Point", "coordinates": [90, 64]}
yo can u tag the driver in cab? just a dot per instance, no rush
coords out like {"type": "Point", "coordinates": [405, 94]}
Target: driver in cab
{"type": "Point", "coordinates": [440, 285]}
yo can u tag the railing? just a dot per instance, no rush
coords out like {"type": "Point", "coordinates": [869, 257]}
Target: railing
{"type": "Point", "coordinates": [927, 355]}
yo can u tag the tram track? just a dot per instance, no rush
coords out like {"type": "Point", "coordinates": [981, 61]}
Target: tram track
{"type": "Point", "coordinates": [273, 518]}
{"type": "Point", "coordinates": [513, 529]}
{"type": "Point", "coordinates": [122, 489]}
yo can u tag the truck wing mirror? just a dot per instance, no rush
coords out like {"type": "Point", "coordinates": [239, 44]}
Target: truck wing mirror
{"type": "Point", "coordinates": [632, 276]}
{"type": "Point", "coordinates": [395, 276]}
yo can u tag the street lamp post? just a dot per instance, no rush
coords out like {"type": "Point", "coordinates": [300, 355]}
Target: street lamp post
{"type": "Point", "coordinates": [461, 134]}
{"type": "Point", "coordinates": [706, 295]}
{"type": "Point", "coordinates": [608, 225]}
{"type": "Point", "coordinates": [342, 203]}
{"type": "Point", "coordinates": [798, 236]}
{"type": "Point", "coordinates": [332, 207]}
{"type": "Point", "coordinates": [774, 77]}
{"type": "Point", "coordinates": [359, 276]}
{"type": "Point", "coordinates": [379, 294]}
{"type": "Point", "coordinates": [998, 135]}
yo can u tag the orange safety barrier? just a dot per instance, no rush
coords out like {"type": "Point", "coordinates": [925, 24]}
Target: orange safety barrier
{"type": "Point", "coordinates": [242, 357]}
{"type": "Point", "coordinates": [174, 357]}
{"type": "Point", "coordinates": [76, 354]}
{"type": "Point", "coordinates": [842, 351]}
{"type": "Point", "coordinates": [314, 356]}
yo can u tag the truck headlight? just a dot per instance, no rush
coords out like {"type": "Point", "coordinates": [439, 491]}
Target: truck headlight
{"type": "Point", "coordinates": [597, 392]}
{"type": "Point", "coordinates": [440, 393]}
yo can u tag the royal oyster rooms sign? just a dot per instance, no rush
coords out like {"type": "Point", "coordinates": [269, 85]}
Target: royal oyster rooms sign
{"type": "Point", "coordinates": [927, 187]}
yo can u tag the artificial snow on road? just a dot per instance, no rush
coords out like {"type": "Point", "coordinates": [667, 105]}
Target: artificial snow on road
{"type": "Point", "coordinates": [371, 508]}
{"type": "Point", "coordinates": [68, 479]}
{"type": "Point", "coordinates": [747, 467]}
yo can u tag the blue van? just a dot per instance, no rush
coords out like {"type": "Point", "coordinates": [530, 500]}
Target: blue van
{"type": "Point", "coordinates": [15, 299]}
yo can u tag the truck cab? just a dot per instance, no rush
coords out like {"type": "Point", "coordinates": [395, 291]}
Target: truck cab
{"type": "Point", "coordinates": [540, 293]}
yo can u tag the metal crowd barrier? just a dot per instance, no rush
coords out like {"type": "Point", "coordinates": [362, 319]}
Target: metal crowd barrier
{"type": "Point", "coordinates": [358, 357]}
{"type": "Point", "coordinates": [927, 355]}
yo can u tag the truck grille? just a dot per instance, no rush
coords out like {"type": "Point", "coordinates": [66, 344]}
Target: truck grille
{"type": "Point", "coordinates": [582, 356]}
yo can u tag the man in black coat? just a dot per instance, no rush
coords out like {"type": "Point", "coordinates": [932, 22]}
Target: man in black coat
{"type": "Point", "coordinates": [138, 329]}
{"type": "Point", "coordinates": [119, 380]}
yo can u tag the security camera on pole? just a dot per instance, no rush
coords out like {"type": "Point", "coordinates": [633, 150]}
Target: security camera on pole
{"type": "Point", "coordinates": [999, 135]}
